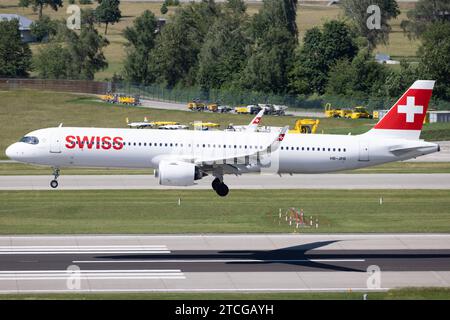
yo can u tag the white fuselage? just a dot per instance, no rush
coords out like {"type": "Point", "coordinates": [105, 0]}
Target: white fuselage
{"type": "Point", "coordinates": [134, 148]}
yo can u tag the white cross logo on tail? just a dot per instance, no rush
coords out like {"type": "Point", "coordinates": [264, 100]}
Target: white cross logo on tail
{"type": "Point", "coordinates": [410, 109]}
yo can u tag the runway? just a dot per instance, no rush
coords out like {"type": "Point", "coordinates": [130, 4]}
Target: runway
{"type": "Point", "coordinates": [248, 181]}
{"type": "Point", "coordinates": [223, 263]}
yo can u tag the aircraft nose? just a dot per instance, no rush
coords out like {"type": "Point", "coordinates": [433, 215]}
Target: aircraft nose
{"type": "Point", "coordinates": [12, 152]}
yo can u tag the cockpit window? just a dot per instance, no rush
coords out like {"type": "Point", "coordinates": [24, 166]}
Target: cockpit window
{"type": "Point", "coordinates": [30, 140]}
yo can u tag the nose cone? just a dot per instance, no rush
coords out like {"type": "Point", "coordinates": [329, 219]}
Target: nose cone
{"type": "Point", "coordinates": [12, 151]}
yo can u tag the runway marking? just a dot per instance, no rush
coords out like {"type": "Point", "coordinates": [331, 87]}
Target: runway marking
{"type": "Point", "coordinates": [82, 252]}
{"type": "Point", "coordinates": [218, 260]}
{"type": "Point", "coordinates": [92, 274]}
{"type": "Point", "coordinates": [129, 249]}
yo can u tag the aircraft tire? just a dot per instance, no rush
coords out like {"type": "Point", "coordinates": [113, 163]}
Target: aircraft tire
{"type": "Point", "coordinates": [215, 184]}
{"type": "Point", "coordinates": [54, 184]}
{"type": "Point", "coordinates": [222, 190]}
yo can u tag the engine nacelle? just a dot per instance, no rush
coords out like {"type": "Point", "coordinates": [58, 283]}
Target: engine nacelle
{"type": "Point", "coordinates": [178, 173]}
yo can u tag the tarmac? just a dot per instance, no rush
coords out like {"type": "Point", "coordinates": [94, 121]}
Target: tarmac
{"type": "Point", "coordinates": [248, 181]}
{"type": "Point", "coordinates": [223, 263]}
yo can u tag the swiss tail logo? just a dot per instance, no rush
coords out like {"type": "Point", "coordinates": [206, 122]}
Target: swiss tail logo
{"type": "Point", "coordinates": [405, 118]}
{"type": "Point", "coordinates": [410, 110]}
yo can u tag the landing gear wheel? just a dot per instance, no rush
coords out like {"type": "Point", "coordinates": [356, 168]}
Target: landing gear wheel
{"type": "Point", "coordinates": [54, 184]}
{"type": "Point", "coordinates": [222, 190]}
{"type": "Point", "coordinates": [215, 184]}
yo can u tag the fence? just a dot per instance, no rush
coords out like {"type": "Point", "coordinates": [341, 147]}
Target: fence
{"type": "Point", "coordinates": [184, 95]}
{"type": "Point", "coordinates": [78, 86]}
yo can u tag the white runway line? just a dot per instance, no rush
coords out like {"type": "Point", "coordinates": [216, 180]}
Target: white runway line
{"type": "Point", "coordinates": [121, 249]}
{"type": "Point", "coordinates": [92, 274]}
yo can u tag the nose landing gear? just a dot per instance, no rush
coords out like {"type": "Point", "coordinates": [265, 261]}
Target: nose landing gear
{"type": "Point", "coordinates": [219, 187]}
{"type": "Point", "coordinates": [54, 182]}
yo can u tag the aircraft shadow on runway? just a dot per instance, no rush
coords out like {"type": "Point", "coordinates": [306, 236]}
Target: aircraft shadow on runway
{"type": "Point", "coordinates": [305, 256]}
{"type": "Point", "coordinates": [295, 255]}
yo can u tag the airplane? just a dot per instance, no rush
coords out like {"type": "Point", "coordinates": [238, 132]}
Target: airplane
{"type": "Point", "coordinates": [182, 157]}
{"type": "Point", "coordinates": [251, 127]}
{"type": "Point", "coordinates": [139, 125]}
{"type": "Point", "coordinates": [174, 127]}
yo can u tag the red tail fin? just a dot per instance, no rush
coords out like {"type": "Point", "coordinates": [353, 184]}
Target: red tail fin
{"type": "Point", "coordinates": [405, 118]}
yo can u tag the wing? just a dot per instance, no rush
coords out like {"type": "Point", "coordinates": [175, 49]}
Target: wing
{"type": "Point", "coordinates": [240, 156]}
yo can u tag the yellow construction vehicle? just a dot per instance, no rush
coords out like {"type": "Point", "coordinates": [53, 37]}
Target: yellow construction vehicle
{"type": "Point", "coordinates": [305, 126]}
{"type": "Point", "coordinates": [204, 125]}
{"type": "Point", "coordinates": [164, 123]}
{"type": "Point", "coordinates": [358, 113]}
{"type": "Point", "coordinates": [196, 106]}
{"type": "Point", "coordinates": [109, 97]}
{"type": "Point", "coordinates": [241, 110]}
{"type": "Point", "coordinates": [213, 107]}
{"type": "Point", "coordinates": [331, 112]}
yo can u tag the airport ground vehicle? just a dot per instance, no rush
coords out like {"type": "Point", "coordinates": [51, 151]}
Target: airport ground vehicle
{"type": "Point", "coordinates": [121, 98]}
{"type": "Point", "coordinates": [331, 112]}
{"type": "Point", "coordinates": [358, 113]}
{"type": "Point", "coordinates": [305, 126]}
{"type": "Point", "coordinates": [196, 106]}
{"type": "Point", "coordinates": [250, 109]}
{"type": "Point", "coordinates": [180, 157]}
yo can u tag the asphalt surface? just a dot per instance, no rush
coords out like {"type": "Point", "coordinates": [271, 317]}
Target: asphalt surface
{"type": "Point", "coordinates": [248, 181]}
{"type": "Point", "coordinates": [222, 262]}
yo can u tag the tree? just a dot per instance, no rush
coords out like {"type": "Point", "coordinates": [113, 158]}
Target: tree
{"type": "Point", "coordinates": [141, 39]}
{"type": "Point", "coordinates": [274, 37]}
{"type": "Point", "coordinates": [356, 10]}
{"type": "Point", "coordinates": [43, 28]}
{"type": "Point", "coordinates": [321, 49]}
{"type": "Point", "coordinates": [164, 9]}
{"type": "Point", "coordinates": [40, 4]}
{"type": "Point", "coordinates": [76, 57]}
{"type": "Point", "coordinates": [177, 48]}
{"type": "Point", "coordinates": [54, 62]}
{"type": "Point", "coordinates": [24, 3]}
{"type": "Point", "coordinates": [361, 77]}
{"type": "Point", "coordinates": [424, 14]}
{"type": "Point", "coordinates": [15, 56]}
{"type": "Point", "coordinates": [108, 12]}
{"type": "Point", "coordinates": [435, 58]}
{"type": "Point", "coordinates": [225, 50]}
{"type": "Point", "coordinates": [397, 81]}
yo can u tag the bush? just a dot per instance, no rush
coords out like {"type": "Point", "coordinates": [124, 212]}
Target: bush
{"type": "Point", "coordinates": [85, 1]}
{"type": "Point", "coordinates": [164, 8]}
{"type": "Point", "coordinates": [43, 28]}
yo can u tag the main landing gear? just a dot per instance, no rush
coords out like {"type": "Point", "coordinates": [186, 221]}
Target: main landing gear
{"type": "Point", "coordinates": [219, 187]}
{"type": "Point", "coordinates": [54, 182]}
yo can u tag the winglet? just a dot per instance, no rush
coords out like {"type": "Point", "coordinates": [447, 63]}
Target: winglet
{"type": "Point", "coordinates": [276, 143]}
{"type": "Point", "coordinates": [255, 121]}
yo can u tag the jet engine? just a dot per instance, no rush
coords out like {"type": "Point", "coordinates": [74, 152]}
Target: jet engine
{"type": "Point", "coordinates": [178, 173]}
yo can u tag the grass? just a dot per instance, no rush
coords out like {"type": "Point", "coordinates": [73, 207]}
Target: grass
{"type": "Point", "coordinates": [201, 211]}
{"type": "Point", "coordinates": [18, 169]}
{"type": "Point", "coordinates": [394, 294]}
{"type": "Point", "coordinates": [307, 17]}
